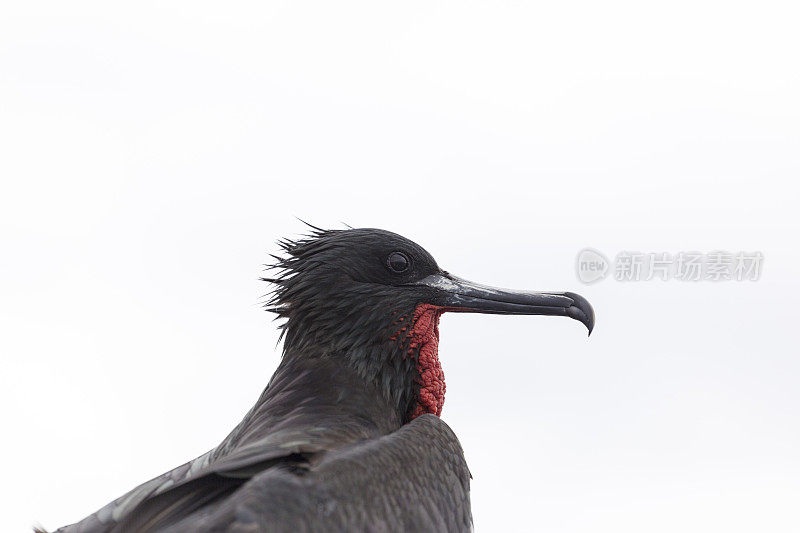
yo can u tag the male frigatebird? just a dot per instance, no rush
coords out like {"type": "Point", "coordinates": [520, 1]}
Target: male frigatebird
{"type": "Point", "coordinates": [347, 435]}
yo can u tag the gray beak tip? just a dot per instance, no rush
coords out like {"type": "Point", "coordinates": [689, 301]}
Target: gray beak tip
{"type": "Point", "coordinates": [581, 310]}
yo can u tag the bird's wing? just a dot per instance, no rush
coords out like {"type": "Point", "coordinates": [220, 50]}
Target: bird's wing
{"type": "Point", "coordinates": [415, 479]}
{"type": "Point", "coordinates": [106, 517]}
{"type": "Point", "coordinates": [287, 428]}
{"type": "Point", "coordinates": [180, 492]}
{"type": "Point", "coordinates": [293, 448]}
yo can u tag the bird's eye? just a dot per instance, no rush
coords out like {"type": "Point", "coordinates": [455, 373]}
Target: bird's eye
{"type": "Point", "coordinates": [398, 262]}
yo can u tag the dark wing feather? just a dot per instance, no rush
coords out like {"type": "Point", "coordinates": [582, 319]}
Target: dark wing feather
{"type": "Point", "coordinates": [415, 479]}
{"type": "Point", "coordinates": [310, 407]}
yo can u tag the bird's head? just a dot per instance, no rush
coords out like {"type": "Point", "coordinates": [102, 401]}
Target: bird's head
{"type": "Point", "coordinates": [375, 298]}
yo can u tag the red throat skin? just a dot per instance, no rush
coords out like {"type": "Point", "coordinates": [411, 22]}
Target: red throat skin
{"type": "Point", "coordinates": [423, 344]}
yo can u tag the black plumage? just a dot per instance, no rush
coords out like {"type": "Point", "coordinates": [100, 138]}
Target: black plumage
{"type": "Point", "coordinates": [346, 435]}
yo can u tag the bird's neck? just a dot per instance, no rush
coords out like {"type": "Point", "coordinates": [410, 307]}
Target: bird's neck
{"type": "Point", "coordinates": [401, 363]}
{"type": "Point", "coordinates": [316, 391]}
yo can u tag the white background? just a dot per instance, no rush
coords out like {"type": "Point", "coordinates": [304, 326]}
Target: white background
{"type": "Point", "coordinates": [152, 153]}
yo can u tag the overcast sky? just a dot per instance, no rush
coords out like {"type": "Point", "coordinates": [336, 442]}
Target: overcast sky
{"type": "Point", "coordinates": [151, 155]}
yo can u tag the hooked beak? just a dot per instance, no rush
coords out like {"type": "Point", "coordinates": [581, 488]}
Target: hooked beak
{"type": "Point", "coordinates": [459, 295]}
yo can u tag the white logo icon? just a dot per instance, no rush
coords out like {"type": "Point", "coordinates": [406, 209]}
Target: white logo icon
{"type": "Point", "coordinates": [591, 266]}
